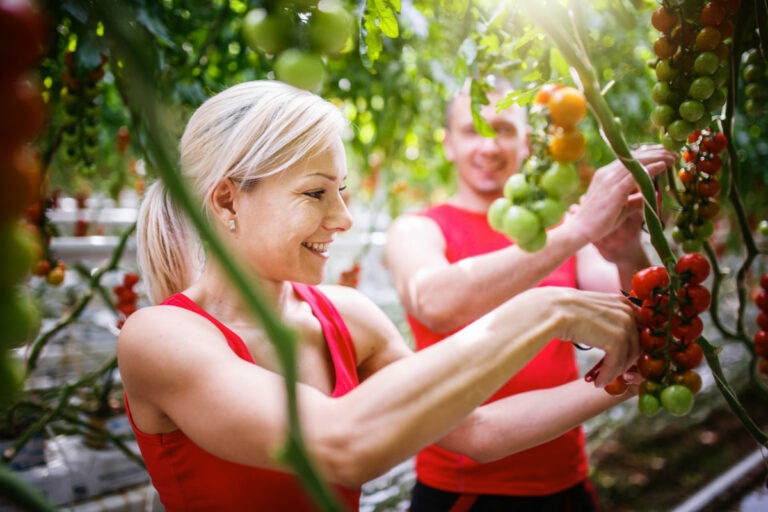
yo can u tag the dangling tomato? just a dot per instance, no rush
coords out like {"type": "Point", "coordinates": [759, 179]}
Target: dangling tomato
{"type": "Point", "coordinates": [645, 281]}
{"type": "Point", "coordinates": [692, 268]}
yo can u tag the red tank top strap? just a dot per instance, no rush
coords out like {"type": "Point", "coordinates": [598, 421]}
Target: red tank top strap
{"type": "Point", "coordinates": [234, 341]}
{"type": "Point", "coordinates": [337, 336]}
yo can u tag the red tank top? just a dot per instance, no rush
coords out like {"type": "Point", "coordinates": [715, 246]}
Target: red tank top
{"type": "Point", "coordinates": [188, 478]}
{"type": "Point", "coordinates": [544, 469]}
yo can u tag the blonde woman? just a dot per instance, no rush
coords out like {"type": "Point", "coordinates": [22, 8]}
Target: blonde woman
{"type": "Point", "coordinates": [202, 381]}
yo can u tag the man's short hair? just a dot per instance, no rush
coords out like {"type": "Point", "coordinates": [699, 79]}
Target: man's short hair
{"type": "Point", "coordinates": [499, 83]}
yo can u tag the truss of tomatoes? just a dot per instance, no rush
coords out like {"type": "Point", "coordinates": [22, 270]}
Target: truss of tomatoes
{"type": "Point", "coordinates": [127, 298]}
{"type": "Point", "coordinates": [535, 199]}
{"type": "Point", "coordinates": [700, 189]}
{"type": "Point", "coordinates": [668, 330]}
{"type": "Point", "coordinates": [761, 336]}
{"type": "Point", "coordinates": [691, 66]}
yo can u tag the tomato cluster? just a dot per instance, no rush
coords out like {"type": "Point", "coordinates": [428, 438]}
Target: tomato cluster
{"type": "Point", "coordinates": [350, 277]}
{"type": "Point", "coordinates": [82, 113]}
{"type": "Point", "coordinates": [327, 26]}
{"type": "Point", "coordinates": [534, 200]}
{"type": "Point", "coordinates": [23, 115]}
{"type": "Point", "coordinates": [700, 189]}
{"type": "Point", "coordinates": [126, 298]}
{"type": "Point", "coordinates": [691, 67]}
{"type": "Point", "coordinates": [761, 336]}
{"type": "Point", "coordinates": [669, 325]}
{"type": "Point", "coordinates": [755, 82]}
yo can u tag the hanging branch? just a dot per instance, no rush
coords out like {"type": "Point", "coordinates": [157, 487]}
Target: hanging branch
{"type": "Point", "coordinates": [131, 46]}
{"type": "Point", "coordinates": [613, 134]}
{"type": "Point", "coordinates": [95, 278]}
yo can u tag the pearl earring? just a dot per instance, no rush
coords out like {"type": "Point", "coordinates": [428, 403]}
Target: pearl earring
{"type": "Point", "coordinates": [232, 225]}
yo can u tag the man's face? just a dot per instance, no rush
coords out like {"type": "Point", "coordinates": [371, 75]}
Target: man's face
{"type": "Point", "coordinates": [484, 164]}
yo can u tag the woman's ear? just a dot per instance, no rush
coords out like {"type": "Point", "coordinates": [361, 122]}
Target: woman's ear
{"type": "Point", "coordinates": [223, 200]}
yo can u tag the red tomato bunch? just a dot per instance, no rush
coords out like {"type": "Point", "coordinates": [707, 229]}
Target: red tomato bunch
{"type": "Point", "coordinates": [669, 327]}
{"type": "Point", "coordinates": [126, 298]}
{"type": "Point", "coordinates": [535, 199]}
{"type": "Point", "coordinates": [761, 336]}
{"type": "Point", "coordinates": [691, 65]}
{"type": "Point", "coordinates": [700, 189]}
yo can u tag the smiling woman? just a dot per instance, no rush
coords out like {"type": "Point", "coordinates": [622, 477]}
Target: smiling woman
{"type": "Point", "coordinates": [203, 389]}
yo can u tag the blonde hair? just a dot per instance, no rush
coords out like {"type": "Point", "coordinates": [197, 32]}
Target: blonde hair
{"type": "Point", "coordinates": [244, 133]}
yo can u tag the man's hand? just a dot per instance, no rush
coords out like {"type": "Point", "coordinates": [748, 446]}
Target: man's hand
{"type": "Point", "coordinates": [610, 207]}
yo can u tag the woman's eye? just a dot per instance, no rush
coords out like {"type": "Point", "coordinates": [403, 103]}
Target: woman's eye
{"type": "Point", "coordinates": [317, 194]}
{"type": "Point", "coordinates": [342, 188]}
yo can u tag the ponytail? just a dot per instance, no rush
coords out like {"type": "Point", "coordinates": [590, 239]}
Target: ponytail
{"type": "Point", "coordinates": [168, 253]}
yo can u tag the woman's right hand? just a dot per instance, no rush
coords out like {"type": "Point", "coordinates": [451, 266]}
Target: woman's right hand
{"type": "Point", "coordinates": [600, 320]}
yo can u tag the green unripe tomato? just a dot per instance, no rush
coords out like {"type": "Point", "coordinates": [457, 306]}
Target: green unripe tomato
{"type": "Point", "coordinates": [754, 90]}
{"type": "Point", "coordinates": [560, 181]}
{"type": "Point", "coordinates": [754, 106]}
{"type": "Point", "coordinates": [706, 63]}
{"type": "Point", "coordinates": [671, 144]}
{"type": "Point", "coordinates": [264, 32]}
{"type": "Point", "coordinates": [691, 110]}
{"type": "Point", "coordinates": [684, 217]}
{"type": "Point", "coordinates": [521, 224]}
{"type": "Point", "coordinates": [18, 254]}
{"type": "Point", "coordinates": [716, 101]}
{"type": "Point", "coordinates": [517, 189]}
{"type": "Point", "coordinates": [692, 245]}
{"type": "Point", "coordinates": [762, 227]}
{"type": "Point", "coordinates": [496, 213]}
{"type": "Point", "coordinates": [705, 230]}
{"type": "Point", "coordinates": [648, 404]}
{"type": "Point", "coordinates": [679, 130]}
{"type": "Point", "coordinates": [703, 122]}
{"type": "Point", "coordinates": [300, 69]}
{"type": "Point", "coordinates": [549, 210]}
{"type": "Point", "coordinates": [753, 56]}
{"type": "Point", "coordinates": [702, 88]}
{"type": "Point", "coordinates": [11, 377]}
{"type": "Point", "coordinates": [18, 317]}
{"type": "Point", "coordinates": [753, 72]}
{"type": "Point", "coordinates": [663, 115]}
{"type": "Point", "coordinates": [665, 71]}
{"type": "Point", "coordinates": [330, 29]}
{"type": "Point", "coordinates": [536, 244]}
{"type": "Point", "coordinates": [661, 93]}
{"type": "Point", "coordinates": [722, 75]}
{"type": "Point", "coordinates": [677, 399]}
{"type": "Point", "coordinates": [678, 235]}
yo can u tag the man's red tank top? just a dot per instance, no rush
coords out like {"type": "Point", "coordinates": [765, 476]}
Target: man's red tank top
{"type": "Point", "coordinates": [544, 469]}
{"type": "Point", "coordinates": [188, 478]}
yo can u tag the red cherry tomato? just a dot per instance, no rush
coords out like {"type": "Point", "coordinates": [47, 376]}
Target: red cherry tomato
{"type": "Point", "coordinates": [709, 188]}
{"type": "Point", "coordinates": [712, 14]}
{"type": "Point", "coordinates": [762, 301]}
{"type": "Point", "coordinates": [687, 329]}
{"type": "Point", "coordinates": [655, 312]}
{"type": "Point", "coordinates": [650, 341]}
{"type": "Point", "coordinates": [763, 366]}
{"type": "Point", "coordinates": [762, 321]}
{"type": "Point", "coordinates": [716, 144]}
{"type": "Point", "coordinates": [761, 343]}
{"type": "Point", "coordinates": [649, 367]}
{"type": "Point", "coordinates": [130, 279]}
{"type": "Point", "coordinates": [21, 35]}
{"type": "Point", "coordinates": [645, 281]}
{"type": "Point", "coordinates": [711, 165]}
{"type": "Point", "coordinates": [764, 282]}
{"type": "Point", "coordinates": [688, 358]}
{"type": "Point", "coordinates": [663, 20]}
{"type": "Point", "coordinates": [695, 299]}
{"type": "Point", "coordinates": [617, 387]}
{"type": "Point", "coordinates": [692, 268]}
{"type": "Point", "coordinates": [694, 136]}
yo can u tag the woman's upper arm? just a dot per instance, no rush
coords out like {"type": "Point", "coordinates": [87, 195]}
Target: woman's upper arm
{"type": "Point", "coordinates": [183, 367]}
{"type": "Point", "coordinates": [377, 340]}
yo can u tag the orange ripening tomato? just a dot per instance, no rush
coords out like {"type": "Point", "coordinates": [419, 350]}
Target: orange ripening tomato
{"type": "Point", "coordinates": [567, 146]}
{"type": "Point", "coordinates": [545, 93]}
{"type": "Point", "coordinates": [567, 107]}
{"type": "Point", "coordinates": [663, 20]}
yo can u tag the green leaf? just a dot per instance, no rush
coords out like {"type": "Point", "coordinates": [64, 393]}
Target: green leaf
{"type": "Point", "coordinates": [89, 50]}
{"type": "Point", "coordinates": [370, 40]}
{"type": "Point", "coordinates": [515, 97]}
{"type": "Point", "coordinates": [532, 76]}
{"type": "Point", "coordinates": [479, 98]}
{"type": "Point", "coordinates": [155, 26]}
{"type": "Point", "coordinates": [387, 19]}
{"type": "Point", "coordinates": [468, 50]}
{"type": "Point", "coordinates": [395, 5]}
{"type": "Point", "coordinates": [559, 64]}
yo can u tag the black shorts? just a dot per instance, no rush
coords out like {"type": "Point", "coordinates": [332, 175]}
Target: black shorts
{"type": "Point", "coordinates": [579, 498]}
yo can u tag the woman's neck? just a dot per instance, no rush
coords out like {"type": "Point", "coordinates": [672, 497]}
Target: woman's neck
{"type": "Point", "coordinates": [215, 293]}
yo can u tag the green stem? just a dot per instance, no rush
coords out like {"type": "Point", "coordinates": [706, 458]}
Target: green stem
{"type": "Point", "coordinates": [22, 494]}
{"type": "Point", "coordinates": [43, 339]}
{"type": "Point", "coordinates": [717, 278]}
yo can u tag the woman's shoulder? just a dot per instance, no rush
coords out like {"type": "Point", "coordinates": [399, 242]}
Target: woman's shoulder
{"type": "Point", "coordinates": [349, 302]}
